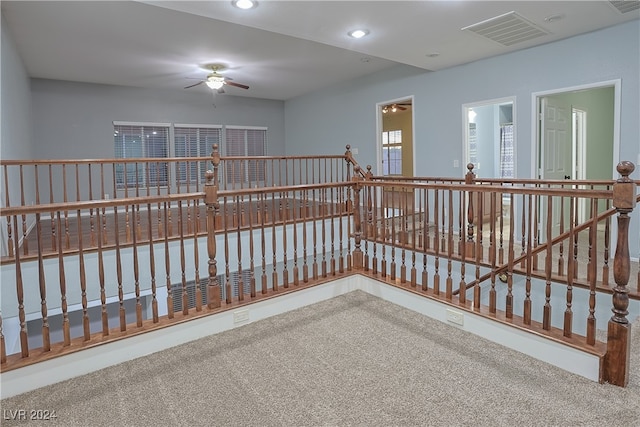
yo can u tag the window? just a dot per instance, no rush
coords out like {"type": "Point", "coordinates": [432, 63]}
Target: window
{"type": "Point", "coordinates": [392, 152]}
{"type": "Point", "coordinates": [138, 140]}
{"type": "Point", "coordinates": [245, 142]}
{"type": "Point", "coordinates": [192, 141]}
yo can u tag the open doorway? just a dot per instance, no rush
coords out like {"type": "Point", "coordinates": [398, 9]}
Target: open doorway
{"type": "Point", "coordinates": [489, 137]}
{"type": "Point", "coordinates": [396, 148]}
{"type": "Point", "coordinates": [489, 144]}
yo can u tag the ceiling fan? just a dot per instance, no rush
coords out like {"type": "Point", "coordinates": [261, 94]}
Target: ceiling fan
{"type": "Point", "coordinates": [217, 81]}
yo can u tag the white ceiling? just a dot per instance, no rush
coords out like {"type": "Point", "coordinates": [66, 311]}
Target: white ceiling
{"type": "Point", "coordinates": [281, 49]}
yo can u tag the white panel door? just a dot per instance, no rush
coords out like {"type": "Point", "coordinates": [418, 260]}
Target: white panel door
{"type": "Point", "coordinates": [556, 147]}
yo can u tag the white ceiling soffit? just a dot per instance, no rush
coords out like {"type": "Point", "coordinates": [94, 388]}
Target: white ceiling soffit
{"type": "Point", "coordinates": [507, 29]}
{"type": "Point", "coordinates": [281, 49]}
{"type": "Point", "coordinates": [625, 6]}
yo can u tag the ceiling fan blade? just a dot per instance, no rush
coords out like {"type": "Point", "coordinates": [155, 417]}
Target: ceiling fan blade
{"type": "Point", "coordinates": [196, 84]}
{"type": "Point", "coordinates": [227, 82]}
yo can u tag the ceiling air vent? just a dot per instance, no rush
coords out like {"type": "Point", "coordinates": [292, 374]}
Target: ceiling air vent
{"type": "Point", "coordinates": [507, 29]}
{"type": "Point", "coordinates": [624, 6]}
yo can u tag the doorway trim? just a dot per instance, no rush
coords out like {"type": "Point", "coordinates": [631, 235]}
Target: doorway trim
{"type": "Point", "coordinates": [535, 115]}
{"type": "Point", "coordinates": [379, 118]}
{"type": "Point", "coordinates": [465, 127]}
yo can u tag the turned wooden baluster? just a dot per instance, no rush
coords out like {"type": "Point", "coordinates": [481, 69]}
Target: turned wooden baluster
{"type": "Point", "coordinates": [323, 212]}
{"type": "Point", "coordinates": [46, 338]}
{"type": "Point", "coordinates": [8, 204]}
{"type": "Point", "coordinates": [616, 360]}
{"type": "Point", "coordinates": [607, 243]}
{"type": "Point", "coordinates": [332, 217]}
{"type": "Point", "coordinates": [357, 251]}
{"type": "Point", "coordinates": [546, 315]}
{"type": "Point", "coordinates": [340, 228]}
{"type": "Point", "coordinates": [103, 197]}
{"type": "Point", "coordinates": [66, 331]}
{"type": "Point", "coordinates": [370, 229]}
{"type": "Point", "coordinates": [284, 214]}
{"type": "Point", "coordinates": [424, 230]}
{"type": "Point", "coordinates": [413, 271]}
{"type": "Point", "coordinates": [527, 298]}
{"type": "Point", "coordinates": [274, 260]}
{"type": "Point", "coordinates": [568, 312]}
{"type": "Point", "coordinates": [404, 232]}
{"type": "Point", "coordinates": [53, 222]}
{"type": "Point", "coordinates": [591, 274]}
{"type": "Point", "coordinates": [167, 260]}
{"type": "Point", "coordinates": [24, 338]}
{"type": "Point", "coordinates": [263, 277]}
{"type": "Point", "coordinates": [394, 239]}
{"type": "Point", "coordinates": [152, 265]}
{"type": "Point", "coordinates": [295, 240]}
{"type": "Point", "coordinates": [561, 245]}
{"type": "Point", "coordinates": [239, 247]}
{"type": "Point", "coordinates": [83, 281]}
{"type": "Point", "coordinates": [469, 179]}
{"type": "Point", "coordinates": [25, 241]}
{"type": "Point", "coordinates": [462, 286]}
{"type": "Point", "coordinates": [103, 293]}
{"type": "Point", "coordinates": [510, 256]}
{"type": "Point", "coordinates": [436, 242]}
{"type": "Point", "coordinates": [67, 239]}
{"type": "Point", "coordinates": [136, 274]}
{"type": "Point", "coordinates": [314, 237]}
{"type": "Point", "coordinates": [305, 267]}
{"type": "Point", "coordinates": [252, 267]}
{"type": "Point", "coordinates": [92, 228]}
{"type": "Point", "coordinates": [492, 253]}
{"type": "Point", "coordinates": [211, 201]}
{"type": "Point", "coordinates": [449, 281]}
{"type": "Point", "coordinates": [478, 247]}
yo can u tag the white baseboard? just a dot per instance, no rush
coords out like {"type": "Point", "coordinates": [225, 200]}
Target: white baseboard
{"type": "Point", "coordinates": [58, 369]}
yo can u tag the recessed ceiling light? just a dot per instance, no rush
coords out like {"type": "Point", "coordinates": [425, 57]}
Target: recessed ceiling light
{"type": "Point", "coordinates": [245, 4]}
{"type": "Point", "coordinates": [358, 34]}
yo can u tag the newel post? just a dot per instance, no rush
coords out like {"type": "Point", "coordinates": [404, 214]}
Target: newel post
{"type": "Point", "coordinates": [357, 219]}
{"type": "Point", "coordinates": [211, 201]}
{"type": "Point", "coordinates": [470, 248]}
{"type": "Point", "coordinates": [616, 361]}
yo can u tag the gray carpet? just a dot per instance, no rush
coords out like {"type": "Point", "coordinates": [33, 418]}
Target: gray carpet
{"type": "Point", "coordinates": [352, 360]}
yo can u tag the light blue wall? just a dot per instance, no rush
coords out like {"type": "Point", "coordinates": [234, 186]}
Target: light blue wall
{"type": "Point", "coordinates": [16, 140]}
{"type": "Point", "coordinates": [75, 120]}
{"type": "Point", "coordinates": [324, 121]}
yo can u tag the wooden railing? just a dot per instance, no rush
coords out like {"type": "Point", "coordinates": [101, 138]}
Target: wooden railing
{"type": "Point", "coordinates": [38, 182]}
{"type": "Point", "coordinates": [102, 269]}
{"type": "Point", "coordinates": [470, 235]}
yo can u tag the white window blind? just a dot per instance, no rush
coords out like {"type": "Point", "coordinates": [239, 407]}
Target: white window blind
{"type": "Point", "coordinates": [194, 142]}
{"type": "Point", "coordinates": [141, 140]}
{"type": "Point", "coordinates": [245, 142]}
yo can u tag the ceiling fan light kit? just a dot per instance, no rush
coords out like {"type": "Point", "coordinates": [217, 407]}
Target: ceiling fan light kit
{"type": "Point", "coordinates": [216, 81]}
